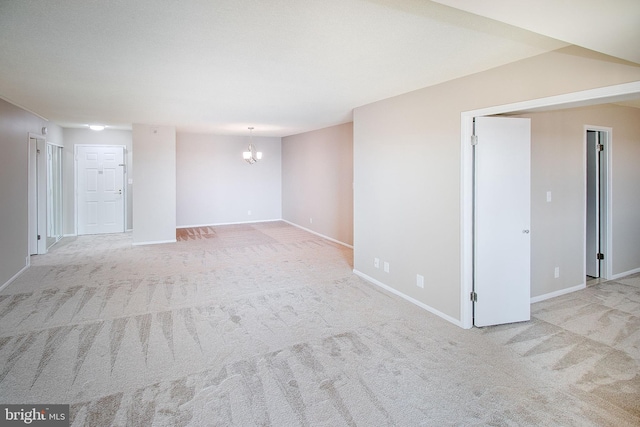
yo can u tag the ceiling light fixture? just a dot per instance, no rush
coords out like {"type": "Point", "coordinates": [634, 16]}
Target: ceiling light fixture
{"type": "Point", "coordinates": [96, 127]}
{"type": "Point", "coordinates": [251, 155]}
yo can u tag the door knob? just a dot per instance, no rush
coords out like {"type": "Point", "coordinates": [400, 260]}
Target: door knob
{"type": "Point", "coordinates": [120, 191]}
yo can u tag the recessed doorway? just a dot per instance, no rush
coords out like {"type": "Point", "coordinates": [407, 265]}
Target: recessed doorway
{"type": "Point", "coordinates": [598, 145]}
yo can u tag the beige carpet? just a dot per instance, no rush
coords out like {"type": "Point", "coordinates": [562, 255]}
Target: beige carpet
{"type": "Point", "coordinates": [265, 324]}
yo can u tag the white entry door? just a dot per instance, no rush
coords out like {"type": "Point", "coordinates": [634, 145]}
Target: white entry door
{"type": "Point", "coordinates": [502, 220]}
{"type": "Point", "coordinates": [100, 189]}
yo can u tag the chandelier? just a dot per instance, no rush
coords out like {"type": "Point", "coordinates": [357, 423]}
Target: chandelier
{"type": "Point", "coordinates": [251, 155]}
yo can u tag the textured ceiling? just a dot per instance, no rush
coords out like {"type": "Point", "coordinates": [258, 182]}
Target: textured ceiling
{"type": "Point", "coordinates": [282, 66]}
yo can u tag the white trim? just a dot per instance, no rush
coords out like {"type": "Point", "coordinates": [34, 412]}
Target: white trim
{"type": "Point", "coordinates": [269, 220]}
{"type": "Point", "coordinates": [69, 235]}
{"type": "Point", "coordinates": [408, 298]}
{"type": "Point", "coordinates": [602, 95]}
{"type": "Point", "coordinates": [318, 234]}
{"type": "Point", "coordinates": [75, 190]}
{"type": "Point", "coordinates": [607, 268]}
{"type": "Point", "coordinates": [571, 100]}
{"type": "Point", "coordinates": [228, 223]}
{"type": "Point", "coordinates": [626, 273]}
{"type": "Point", "coordinates": [466, 223]}
{"type": "Point", "coordinates": [55, 143]}
{"type": "Point", "coordinates": [40, 191]}
{"type": "Point", "coordinates": [558, 293]}
{"type": "Point", "coordinates": [155, 242]}
{"type": "Point", "coordinates": [15, 276]}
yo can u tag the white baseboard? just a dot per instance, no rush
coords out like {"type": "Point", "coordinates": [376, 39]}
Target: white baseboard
{"type": "Point", "coordinates": [558, 293]}
{"type": "Point", "coordinates": [626, 273]}
{"type": "Point", "coordinates": [15, 276]}
{"type": "Point", "coordinates": [227, 223]}
{"type": "Point", "coordinates": [129, 230]}
{"type": "Point", "coordinates": [268, 220]}
{"type": "Point", "coordinates": [408, 298]}
{"type": "Point", "coordinates": [155, 242]}
{"type": "Point", "coordinates": [318, 234]}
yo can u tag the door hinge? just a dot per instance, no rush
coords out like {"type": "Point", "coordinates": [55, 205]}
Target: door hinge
{"type": "Point", "coordinates": [474, 296]}
{"type": "Point", "coordinates": [599, 256]}
{"type": "Point", "coordinates": [599, 147]}
{"type": "Point", "coordinates": [38, 237]}
{"type": "Point", "coordinates": [37, 151]}
{"type": "Point", "coordinates": [474, 139]}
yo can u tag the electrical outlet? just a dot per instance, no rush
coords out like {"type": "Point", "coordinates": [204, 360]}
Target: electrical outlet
{"type": "Point", "coordinates": [386, 267]}
{"type": "Point", "coordinates": [248, 212]}
{"type": "Point", "coordinates": [548, 196]}
{"type": "Point", "coordinates": [310, 220]}
{"type": "Point", "coordinates": [420, 281]}
{"type": "Point", "coordinates": [376, 262]}
{"type": "Point", "coordinates": [556, 272]}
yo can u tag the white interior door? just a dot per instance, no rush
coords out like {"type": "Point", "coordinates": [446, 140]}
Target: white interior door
{"type": "Point", "coordinates": [37, 196]}
{"type": "Point", "coordinates": [100, 189]}
{"type": "Point", "coordinates": [502, 220]}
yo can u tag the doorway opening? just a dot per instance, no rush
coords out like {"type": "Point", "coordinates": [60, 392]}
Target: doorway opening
{"type": "Point", "coordinates": [44, 194]}
{"type": "Point", "coordinates": [597, 148]}
{"type": "Point", "coordinates": [54, 194]}
{"type": "Point", "coordinates": [37, 192]}
{"type": "Point", "coordinates": [617, 93]}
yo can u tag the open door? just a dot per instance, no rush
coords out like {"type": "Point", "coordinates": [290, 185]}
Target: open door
{"type": "Point", "coordinates": [502, 214]}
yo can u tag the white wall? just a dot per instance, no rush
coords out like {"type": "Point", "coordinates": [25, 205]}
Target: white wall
{"type": "Point", "coordinates": [407, 159]}
{"type": "Point", "coordinates": [89, 137]}
{"type": "Point", "coordinates": [317, 181]}
{"type": "Point", "coordinates": [216, 186]}
{"type": "Point", "coordinates": [15, 126]}
{"type": "Point", "coordinates": [154, 183]}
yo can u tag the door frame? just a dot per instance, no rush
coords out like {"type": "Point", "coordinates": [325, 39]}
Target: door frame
{"type": "Point", "coordinates": [601, 95]}
{"type": "Point", "coordinates": [75, 182]}
{"type": "Point", "coordinates": [36, 194]}
{"type": "Point", "coordinates": [606, 236]}
{"type": "Point", "coordinates": [61, 178]}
